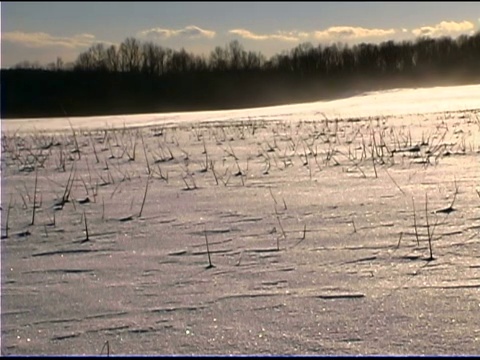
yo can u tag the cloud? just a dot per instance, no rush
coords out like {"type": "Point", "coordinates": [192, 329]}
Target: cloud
{"type": "Point", "coordinates": [279, 35]}
{"type": "Point", "coordinates": [349, 32]}
{"type": "Point", "coordinates": [189, 32]}
{"type": "Point", "coordinates": [445, 28]}
{"type": "Point", "coordinates": [41, 40]}
{"type": "Point", "coordinates": [334, 33]}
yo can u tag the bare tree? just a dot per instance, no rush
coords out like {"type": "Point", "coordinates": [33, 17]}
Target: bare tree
{"type": "Point", "coordinates": [219, 59]}
{"type": "Point", "coordinates": [93, 59]}
{"type": "Point", "coordinates": [154, 58]}
{"type": "Point", "coordinates": [112, 60]}
{"type": "Point", "coordinates": [180, 61]}
{"type": "Point", "coordinates": [237, 55]}
{"type": "Point", "coordinates": [130, 55]}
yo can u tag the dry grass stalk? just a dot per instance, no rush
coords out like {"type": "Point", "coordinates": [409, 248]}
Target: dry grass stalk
{"type": "Point", "coordinates": [210, 265]}
{"type": "Point", "coordinates": [103, 209]}
{"type": "Point", "coordinates": [428, 229]}
{"type": "Point", "coordinates": [212, 167]}
{"type": "Point", "coordinates": [94, 150]}
{"type": "Point", "coordinates": [6, 220]}
{"type": "Point", "coordinates": [86, 227]}
{"type": "Point", "coordinates": [144, 196]}
{"type": "Point", "coordinates": [106, 346]}
{"type": "Point", "coordinates": [146, 157]}
{"type": "Point", "coordinates": [34, 197]}
{"type": "Point", "coordinates": [415, 222]}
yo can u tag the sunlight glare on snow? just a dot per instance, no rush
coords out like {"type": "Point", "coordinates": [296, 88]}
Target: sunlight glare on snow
{"type": "Point", "coordinates": [370, 104]}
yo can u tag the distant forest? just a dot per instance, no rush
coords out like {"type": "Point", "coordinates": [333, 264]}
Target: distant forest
{"type": "Point", "coordinates": [138, 77]}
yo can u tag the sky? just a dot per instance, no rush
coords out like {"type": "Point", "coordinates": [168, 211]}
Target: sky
{"type": "Point", "coordinates": [43, 31]}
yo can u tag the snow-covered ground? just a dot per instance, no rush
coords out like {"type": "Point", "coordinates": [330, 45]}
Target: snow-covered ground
{"type": "Point", "coordinates": [382, 103]}
{"type": "Point", "coordinates": [343, 227]}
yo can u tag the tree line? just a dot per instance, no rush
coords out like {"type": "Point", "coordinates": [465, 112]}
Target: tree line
{"type": "Point", "coordinates": [137, 77]}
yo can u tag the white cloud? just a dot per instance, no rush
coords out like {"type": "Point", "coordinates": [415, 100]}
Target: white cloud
{"type": "Point", "coordinates": [445, 28]}
{"type": "Point", "coordinates": [41, 40]}
{"type": "Point", "coordinates": [279, 35]}
{"type": "Point", "coordinates": [333, 33]}
{"type": "Point", "coordinates": [191, 31]}
{"type": "Point", "coordinates": [350, 32]}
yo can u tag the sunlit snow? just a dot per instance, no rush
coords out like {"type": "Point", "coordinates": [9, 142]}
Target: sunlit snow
{"type": "Point", "coordinates": [381, 103]}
